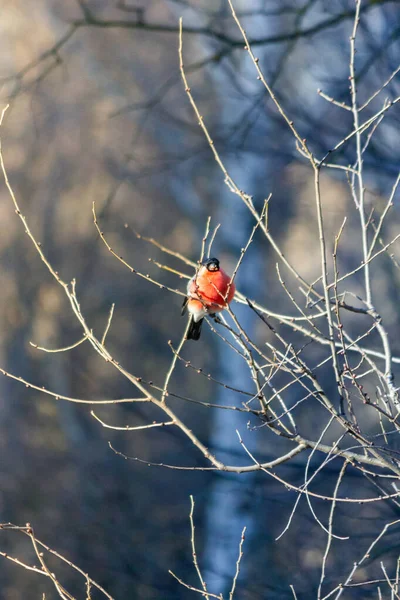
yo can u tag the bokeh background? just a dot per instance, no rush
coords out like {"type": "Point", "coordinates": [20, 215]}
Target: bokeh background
{"type": "Point", "coordinates": [104, 117]}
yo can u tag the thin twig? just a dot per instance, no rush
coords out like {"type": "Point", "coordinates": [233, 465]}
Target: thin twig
{"type": "Point", "coordinates": [231, 593]}
{"type": "Point", "coordinates": [64, 349]}
{"type": "Point", "coordinates": [194, 554]}
{"type": "Point", "coordinates": [131, 428]}
{"type": "Point", "coordinates": [110, 316]}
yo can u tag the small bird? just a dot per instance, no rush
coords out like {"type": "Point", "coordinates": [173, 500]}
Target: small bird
{"type": "Point", "coordinates": [209, 291]}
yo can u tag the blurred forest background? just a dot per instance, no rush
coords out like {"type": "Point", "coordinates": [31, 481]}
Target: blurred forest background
{"type": "Point", "coordinates": [104, 117]}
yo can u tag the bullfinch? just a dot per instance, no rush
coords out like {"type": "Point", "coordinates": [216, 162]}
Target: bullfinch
{"type": "Point", "coordinates": [209, 291]}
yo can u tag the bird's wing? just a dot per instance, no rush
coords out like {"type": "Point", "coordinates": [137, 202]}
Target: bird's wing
{"type": "Point", "coordinates": [184, 305]}
{"type": "Point", "coordinates": [186, 300]}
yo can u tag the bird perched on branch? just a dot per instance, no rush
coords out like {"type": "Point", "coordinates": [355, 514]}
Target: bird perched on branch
{"type": "Point", "coordinates": [209, 291]}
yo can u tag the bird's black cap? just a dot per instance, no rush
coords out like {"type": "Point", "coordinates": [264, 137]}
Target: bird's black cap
{"type": "Point", "coordinates": [212, 264]}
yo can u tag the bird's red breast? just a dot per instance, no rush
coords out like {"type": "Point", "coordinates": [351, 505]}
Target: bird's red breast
{"type": "Point", "coordinates": [212, 288]}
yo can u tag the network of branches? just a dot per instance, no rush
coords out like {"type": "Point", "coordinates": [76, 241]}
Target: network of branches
{"type": "Point", "coordinates": [362, 366]}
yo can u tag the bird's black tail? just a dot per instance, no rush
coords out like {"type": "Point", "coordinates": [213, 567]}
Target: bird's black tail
{"type": "Point", "coordinates": [194, 329]}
